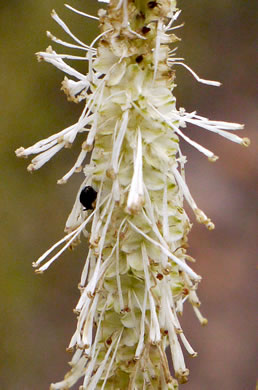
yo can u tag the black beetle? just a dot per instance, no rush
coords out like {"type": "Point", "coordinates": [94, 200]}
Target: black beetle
{"type": "Point", "coordinates": [87, 197]}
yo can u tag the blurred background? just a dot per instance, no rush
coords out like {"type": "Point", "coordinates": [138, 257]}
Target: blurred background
{"type": "Point", "coordinates": [218, 42]}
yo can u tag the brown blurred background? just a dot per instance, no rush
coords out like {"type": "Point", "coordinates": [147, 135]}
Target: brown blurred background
{"type": "Point", "coordinates": [36, 311]}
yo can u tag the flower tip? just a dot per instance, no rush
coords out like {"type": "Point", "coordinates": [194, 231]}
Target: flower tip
{"type": "Point", "coordinates": [20, 152]}
{"type": "Point", "coordinates": [53, 13]}
{"type": "Point", "coordinates": [31, 168]}
{"type": "Point", "coordinates": [204, 322]}
{"type": "Point", "coordinates": [49, 35]}
{"type": "Point", "coordinates": [87, 146]}
{"type": "Point", "coordinates": [68, 145]}
{"type": "Point", "coordinates": [110, 173]}
{"type": "Point", "coordinates": [37, 271]}
{"type": "Point", "coordinates": [213, 158]}
{"type": "Point", "coordinates": [182, 375]}
{"type": "Point", "coordinates": [39, 57]}
{"type": "Point", "coordinates": [134, 208]}
{"type": "Point", "coordinates": [246, 142]}
{"type": "Point", "coordinates": [210, 225]}
{"type": "Point", "coordinates": [193, 355]}
{"type": "Point", "coordinates": [61, 181]}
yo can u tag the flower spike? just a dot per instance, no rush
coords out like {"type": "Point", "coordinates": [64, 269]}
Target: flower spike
{"type": "Point", "coordinates": [137, 274]}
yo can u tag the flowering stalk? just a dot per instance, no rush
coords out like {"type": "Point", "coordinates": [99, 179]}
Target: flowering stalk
{"type": "Point", "coordinates": [137, 275]}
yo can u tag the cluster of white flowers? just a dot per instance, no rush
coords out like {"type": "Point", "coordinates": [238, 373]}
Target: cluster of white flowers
{"type": "Point", "coordinates": [136, 277]}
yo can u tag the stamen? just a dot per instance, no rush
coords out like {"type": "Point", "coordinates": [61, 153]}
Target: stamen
{"type": "Point", "coordinates": [118, 142]}
{"type": "Point", "coordinates": [67, 44]}
{"type": "Point", "coordinates": [201, 217]}
{"type": "Point", "coordinates": [54, 55]}
{"type": "Point", "coordinates": [175, 27]}
{"type": "Point", "coordinates": [90, 367]}
{"type": "Point", "coordinates": [200, 317]}
{"type": "Point", "coordinates": [179, 262]}
{"type": "Point", "coordinates": [97, 375]}
{"type": "Point", "coordinates": [155, 335]}
{"type": "Point", "coordinates": [75, 168]}
{"type": "Point", "coordinates": [118, 280]}
{"type": "Point", "coordinates": [140, 344]}
{"type": "Point", "coordinates": [44, 157]}
{"type": "Point", "coordinates": [87, 333]}
{"type": "Point", "coordinates": [172, 20]}
{"type": "Point", "coordinates": [72, 376]}
{"type": "Point", "coordinates": [60, 64]}
{"type": "Point", "coordinates": [157, 48]}
{"type": "Point", "coordinates": [66, 29]}
{"type": "Point", "coordinates": [85, 270]}
{"type": "Point", "coordinates": [111, 361]}
{"type": "Point", "coordinates": [81, 13]}
{"type": "Point", "coordinates": [217, 130]}
{"type": "Point", "coordinates": [200, 80]}
{"type": "Point", "coordinates": [165, 226]}
{"type": "Point", "coordinates": [211, 156]}
{"type": "Point", "coordinates": [187, 345]}
{"type": "Point", "coordinates": [135, 198]}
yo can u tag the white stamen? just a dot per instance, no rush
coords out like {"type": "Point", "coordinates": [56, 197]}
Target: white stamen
{"type": "Point", "coordinates": [111, 361]}
{"type": "Point", "coordinates": [99, 36]}
{"type": "Point", "coordinates": [90, 367]}
{"type": "Point", "coordinates": [216, 129]}
{"type": "Point", "coordinates": [172, 20]}
{"type": "Point", "coordinates": [125, 16]}
{"type": "Point", "coordinates": [67, 44]}
{"type": "Point", "coordinates": [200, 80]}
{"type": "Point", "coordinates": [60, 64]}
{"type": "Point", "coordinates": [200, 317]}
{"type": "Point", "coordinates": [72, 376]}
{"type": "Point", "coordinates": [182, 265]}
{"type": "Point", "coordinates": [54, 55]}
{"type": "Point", "coordinates": [44, 157]}
{"type": "Point", "coordinates": [201, 217]}
{"type": "Point", "coordinates": [119, 140]}
{"type": "Point", "coordinates": [157, 48]}
{"type": "Point", "coordinates": [176, 352]}
{"type": "Point", "coordinates": [211, 156]}
{"type": "Point", "coordinates": [187, 345]}
{"type": "Point", "coordinates": [97, 375]}
{"type": "Point", "coordinates": [88, 324]}
{"type": "Point", "coordinates": [76, 166]}
{"type": "Point", "coordinates": [155, 335]}
{"type": "Point", "coordinates": [135, 197]}
{"type": "Point", "coordinates": [49, 262]}
{"type": "Point", "coordinates": [81, 13]}
{"type": "Point", "coordinates": [66, 29]}
{"type": "Point", "coordinates": [165, 227]}
{"type": "Point", "coordinates": [73, 234]}
{"type": "Point", "coordinates": [175, 27]}
{"type": "Point", "coordinates": [76, 357]}
{"type": "Point", "coordinates": [140, 344]}
{"type": "Point", "coordinates": [85, 270]}
{"type": "Point", "coordinates": [118, 280]}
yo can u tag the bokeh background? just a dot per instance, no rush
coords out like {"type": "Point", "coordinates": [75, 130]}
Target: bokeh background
{"type": "Point", "coordinates": [218, 42]}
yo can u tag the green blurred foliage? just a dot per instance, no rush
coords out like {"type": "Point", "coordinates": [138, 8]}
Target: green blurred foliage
{"type": "Point", "coordinates": [36, 311]}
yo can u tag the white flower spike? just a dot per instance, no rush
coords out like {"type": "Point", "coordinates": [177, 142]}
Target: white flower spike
{"type": "Point", "coordinates": [136, 277]}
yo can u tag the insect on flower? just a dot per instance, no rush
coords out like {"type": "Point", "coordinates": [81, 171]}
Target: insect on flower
{"type": "Point", "coordinates": [87, 197]}
{"type": "Point", "coordinates": [136, 276]}
{"type": "Point", "coordinates": [152, 4]}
